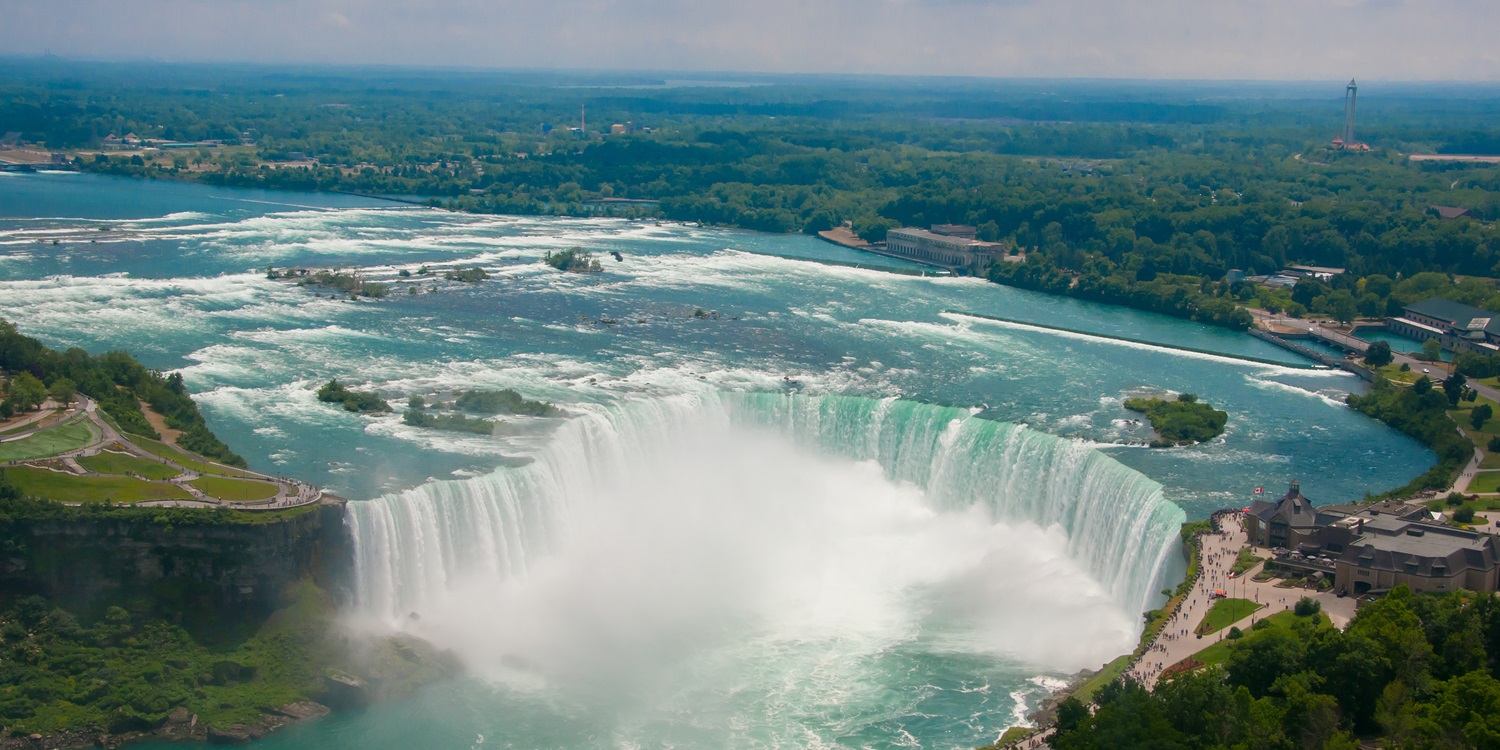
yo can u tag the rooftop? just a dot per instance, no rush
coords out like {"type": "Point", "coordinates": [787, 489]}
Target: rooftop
{"type": "Point", "coordinates": [1458, 314]}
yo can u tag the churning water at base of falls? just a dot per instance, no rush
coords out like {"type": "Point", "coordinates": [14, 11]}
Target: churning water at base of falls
{"type": "Point", "coordinates": [746, 561]}
{"type": "Point", "coordinates": [752, 529]}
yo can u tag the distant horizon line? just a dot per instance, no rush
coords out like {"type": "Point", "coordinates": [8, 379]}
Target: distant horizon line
{"type": "Point", "coordinates": [714, 76]}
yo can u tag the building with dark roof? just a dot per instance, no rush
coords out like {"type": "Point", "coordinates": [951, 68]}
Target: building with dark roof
{"type": "Point", "coordinates": [1456, 325]}
{"type": "Point", "coordinates": [1372, 548]}
{"type": "Point", "coordinates": [1286, 522]}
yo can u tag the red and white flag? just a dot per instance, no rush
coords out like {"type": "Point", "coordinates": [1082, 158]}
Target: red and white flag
{"type": "Point", "coordinates": [1260, 490]}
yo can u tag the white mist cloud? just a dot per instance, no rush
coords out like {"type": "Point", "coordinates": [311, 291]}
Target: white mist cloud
{"type": "Point", "coordinates": [731, 554]}
{"type": "Point", "coordinates": [1232, 39]}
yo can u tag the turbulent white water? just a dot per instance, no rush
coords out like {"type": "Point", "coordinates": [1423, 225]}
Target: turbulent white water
{"type": "Point", "coordinates": [647, 535]}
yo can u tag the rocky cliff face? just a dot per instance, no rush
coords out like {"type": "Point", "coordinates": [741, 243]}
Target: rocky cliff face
{"type": "Point", "coordinates": [222, 570]}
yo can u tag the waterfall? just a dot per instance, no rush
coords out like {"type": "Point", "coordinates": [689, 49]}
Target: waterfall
{"type": "Point", "coordinates": [414, 545]}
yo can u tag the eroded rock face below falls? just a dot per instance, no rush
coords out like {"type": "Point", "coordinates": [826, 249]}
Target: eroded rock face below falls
{"type": "Point", "coordinates": [224, 569]}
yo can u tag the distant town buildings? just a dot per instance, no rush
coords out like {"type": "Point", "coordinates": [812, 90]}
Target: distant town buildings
{"type": "Point", "coordinates": [1455, 325]}
{"type": "Point", "coordinates": [952, 245]}
{"type": "Point", "coordinates": [1373, 548]}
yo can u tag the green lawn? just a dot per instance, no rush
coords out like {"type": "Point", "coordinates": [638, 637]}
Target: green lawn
{"type": "Point", "coordinates": [120, 463]}
{"type": "Point", "coordinates": [235, 490]}
{"type": "Point", "coordinates": [72, 489]}
{"type": "Point", "coordinates": [1245, 561]}
{"type": "Point", "coordinates": [1224, 613]}
{"type": "Point", "coordinates": [1394, 373]}
{"type": "Point", "coordinates": [1107, 674]}
{"type": "Point", "coordinates": [1490, 460]}
{"type": "Point", "coordinates": [1491, 426]}
{"type": "Point", "coordinates": [1485, 481]}
{"type": "Point", "coordinates": [49, 442]}
{"type": "Point", "coordinates": [186, 460]}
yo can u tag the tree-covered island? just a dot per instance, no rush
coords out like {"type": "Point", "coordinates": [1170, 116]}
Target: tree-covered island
{"type": "Point", "coordinates": [1184, 421]}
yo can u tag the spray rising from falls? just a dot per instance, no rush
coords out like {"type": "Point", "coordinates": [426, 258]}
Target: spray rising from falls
{"type": "Point", "coordinates": [650, 527]}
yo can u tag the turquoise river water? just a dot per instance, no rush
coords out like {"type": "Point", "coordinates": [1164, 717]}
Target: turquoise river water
{"type": "Point", "coordinates": [826, 511]}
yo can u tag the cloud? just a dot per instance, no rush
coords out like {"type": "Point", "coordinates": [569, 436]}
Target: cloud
{"type": "Point", "coordinates": [1235, 39]}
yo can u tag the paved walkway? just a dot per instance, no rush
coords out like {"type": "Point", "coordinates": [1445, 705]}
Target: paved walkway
{"type": "Point", "coordinates": [1220, 551]}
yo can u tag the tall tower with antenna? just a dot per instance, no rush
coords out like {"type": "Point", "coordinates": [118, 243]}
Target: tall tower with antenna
{"type": "Point", "coordinates": [1349, 95]}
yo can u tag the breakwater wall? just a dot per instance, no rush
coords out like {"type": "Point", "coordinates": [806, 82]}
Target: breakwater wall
{"type": "Point", "coordinates": [1194, 350]}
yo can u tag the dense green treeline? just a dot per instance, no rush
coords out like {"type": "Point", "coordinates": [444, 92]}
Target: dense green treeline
{"type": "Point", "coordinates": [119, 384]}
{"type": "Point", "coordinates": [1414, 671]}
{"type": "Point", "coordinates": [1126, 192]}
{"type": "Point", "coordinates": [1420, 411]}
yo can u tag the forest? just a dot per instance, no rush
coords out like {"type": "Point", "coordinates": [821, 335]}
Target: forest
{"type": "Point", "coordinates": [1411, 671]}
{"type": "Point", "coordinates": [1136, 193]}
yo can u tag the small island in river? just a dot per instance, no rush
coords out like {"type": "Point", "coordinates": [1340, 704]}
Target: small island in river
{"type": "Point", "coordinates": [1182, 422]}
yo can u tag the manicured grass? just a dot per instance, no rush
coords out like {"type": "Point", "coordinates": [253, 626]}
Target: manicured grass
{"type": "Point", "coordinates": [49, 442]}
{"type": "Point", "coordinates": [1491, 426]}
{"type": "Point", "coordinates": [1394, 373]}
{"type": "Point", "coordinates": [73, 489]}
{"type": "Point", "coordinates": [1224, 613]}
{"type": "Point", "coordinates": [121, 463]}
{"type": "Point", "coordinates": [1107, 674]}
{"type": "Point", "coordinates": [1490, 460]}
{"type": "Point", "coordinates": [1484, 505]}
{"type": "Point", "coordinates": [1245, 561]}
{"type": "Point", "coordinates": [236, 490]}
{"type": "Point", "coordinates": [184, 459]}
{"type": "Point", "coordinates": [1485, 481]}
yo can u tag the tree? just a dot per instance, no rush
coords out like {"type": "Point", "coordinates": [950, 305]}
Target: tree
{"type": "Point", "coordinates": [26, 392]}
{"type": "Point", "coordinates": [1422, 386]}
{"type": "Point", "coordinates": [1432, 350]}
{"type": "Point", "coordinates": [1453, 388]}
{"type": "Point", "coordinates": [1341, 304]}
{"type": "Point", "coordinates": [1480, 415]}
{"type": "Point", "coordinates": [62, 391]}
{"type": "Point", "coordinates": [1379, 354]}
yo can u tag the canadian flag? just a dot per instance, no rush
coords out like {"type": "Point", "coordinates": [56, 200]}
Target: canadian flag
{"type": "Point", "coordinates": [1260, 490]}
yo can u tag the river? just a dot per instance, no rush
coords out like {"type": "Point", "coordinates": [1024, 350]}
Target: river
{"type": "Point", "coordinates": [793, 504]}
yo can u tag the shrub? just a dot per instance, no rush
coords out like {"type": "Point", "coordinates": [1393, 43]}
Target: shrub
{"type": "Point", "coordinates": [1464, 515]}
{"type": "Point", "coordinates": [1306, 607]}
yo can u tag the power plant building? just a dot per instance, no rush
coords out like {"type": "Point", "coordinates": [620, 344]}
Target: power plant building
{"type": "Point", "coordinates": [950, 245]}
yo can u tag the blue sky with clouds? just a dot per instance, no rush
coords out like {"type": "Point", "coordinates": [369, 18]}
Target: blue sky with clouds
{"type": "Point", "coordinates": [1236, 39]}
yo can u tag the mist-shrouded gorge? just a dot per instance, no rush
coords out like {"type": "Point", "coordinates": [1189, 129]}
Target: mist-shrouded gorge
{"type": "Point", "coordinates": [781, 503]}
{"type": "Point", "coordinates": [770, 534]}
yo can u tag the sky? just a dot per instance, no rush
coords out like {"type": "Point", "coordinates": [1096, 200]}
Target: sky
{"type": "Point", "coordinates": [1393, 40]}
